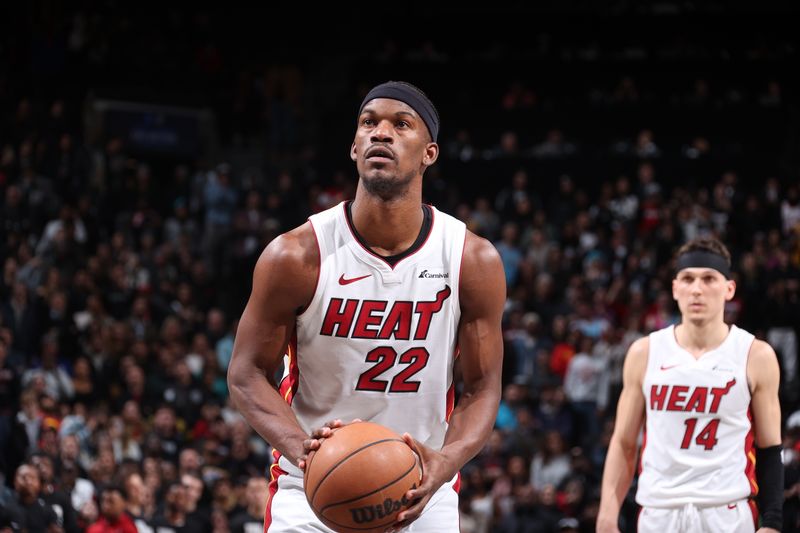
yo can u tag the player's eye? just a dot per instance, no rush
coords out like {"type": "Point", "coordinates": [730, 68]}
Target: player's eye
{"type": "Point", "coordinates": [402, 124]}
{"type": "Point", "coordinates": [367, 122]}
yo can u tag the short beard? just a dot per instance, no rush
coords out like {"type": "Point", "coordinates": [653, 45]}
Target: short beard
{"type": "Point", "coordinates": [388, 187]}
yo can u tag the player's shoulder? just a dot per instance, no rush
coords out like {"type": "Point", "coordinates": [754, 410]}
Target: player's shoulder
{"type": "Point", "coordinates": [762, 349]}
{"type": "Point", "coordinates": [293, 250]}
{"type": "Point", "coordinates": [763, 369]}
{"type": "Point", "coordinates": [761, 354]}
{"type": "Point", "coordinates": [639, 348]}
{"type": "Point", "coordinates": [638, 353]}
{"type": "Point", "coordinates": [480, 252]}
{"type": "Point", "coordinates": [482, 281]}
{"type": "Point", "coordinates": [640, 345]}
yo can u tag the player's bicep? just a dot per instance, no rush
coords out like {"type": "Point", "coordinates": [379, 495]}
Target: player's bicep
{"type": "Point", "coordinates": [631, 405]}
{"type": "Point", "coordinates": [764, 374]}
{"type": "Point", "coordinates": [280, 288]}
{"type": "Point", "coordinates": [261, 337]}
{"type": "Point", "coordinates": [482, 299]}
{"type": "Point", "coordinates": [630, 416]}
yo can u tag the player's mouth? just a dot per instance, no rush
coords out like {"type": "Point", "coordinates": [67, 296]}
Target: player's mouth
{"type": "Point", "coordinates": [696, 305]}
{"type": "Point", "coordinates": [379, 154]}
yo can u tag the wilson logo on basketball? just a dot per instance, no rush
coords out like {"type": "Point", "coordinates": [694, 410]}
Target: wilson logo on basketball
{"type": "Point", "coordinates": [370, 513]}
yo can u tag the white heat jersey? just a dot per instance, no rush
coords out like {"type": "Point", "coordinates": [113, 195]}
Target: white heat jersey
{"type": "Point", "coordinates": [378, 342]}
{"type": "Point", "coordinates": [698, 445]}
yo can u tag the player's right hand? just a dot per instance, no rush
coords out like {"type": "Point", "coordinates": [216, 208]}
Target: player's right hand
{"type": "Point", "coordinates": [312, 444]}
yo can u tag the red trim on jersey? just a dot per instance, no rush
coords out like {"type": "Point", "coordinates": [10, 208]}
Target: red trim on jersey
{"type": "Point", "coordinates": [274, 473]}
{"type": "Point", "coordinates": [750, 456]}
{"type": "Point", "coordinates": [451, 399]}
{"type": "Point", "coordinates": [641, 459]}
{"type": "Point", "coordinates": [370, 252]}
{"type": "Point", "coordinates": [753, 509]}
{"type": "Point", "coordinates": [288, 386]}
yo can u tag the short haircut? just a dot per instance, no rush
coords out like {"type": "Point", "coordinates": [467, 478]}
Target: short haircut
{"type": "Point", "coordinates": [706, 244]}
{"type": "Point", "coordinates": [113, 487]}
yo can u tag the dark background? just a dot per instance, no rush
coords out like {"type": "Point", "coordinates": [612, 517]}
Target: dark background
{"type": "Point", "coordinates": [150, 152]}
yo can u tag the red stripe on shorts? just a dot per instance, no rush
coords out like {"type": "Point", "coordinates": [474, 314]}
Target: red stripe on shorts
{"type": "Point", "coordinates": [275, 472]}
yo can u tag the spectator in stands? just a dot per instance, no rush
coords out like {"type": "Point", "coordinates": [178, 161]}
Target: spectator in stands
{"type": "Point", "coordinates": [551, 464]}
{"type": "Point", "coordinates": [27, 511]}
{"type": "Point", "coordinates": [113, 518]}
{"type": "Point", "coordinates": [251, 519]}
{"type": "Point", "coordinates": [52, 495]}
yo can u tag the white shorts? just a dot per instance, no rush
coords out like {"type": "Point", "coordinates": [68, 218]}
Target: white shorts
{"type": "Point", "coordinates": [288, 510]}
{"type": "Point", "coordinates": [736, 517]}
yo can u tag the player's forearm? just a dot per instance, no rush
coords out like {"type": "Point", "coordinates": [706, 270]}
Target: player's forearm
{"type": "Point", "coordinates": [617, 478]}
{"type": "Point", "coordinates": [471, 423]}
{"type": "Point", "coordinates": [264, 409]}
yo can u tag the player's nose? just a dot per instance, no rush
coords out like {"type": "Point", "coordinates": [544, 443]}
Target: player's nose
{"type": "Point", "coordinates": [382, 132]}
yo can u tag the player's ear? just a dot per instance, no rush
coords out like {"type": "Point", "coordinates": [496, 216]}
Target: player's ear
{"type": "Point", "coordinates": [353, 151]}
{"type": "Point", "coordinates": [731, 292]}
{"type": "Point", "coordinates": [431, 154]}
{"type": "Point", "coordinates": [675, 289]}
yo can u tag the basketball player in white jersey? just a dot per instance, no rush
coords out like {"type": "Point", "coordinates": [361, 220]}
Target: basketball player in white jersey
{"type": "Point", "coordinates": [708, 395]}
{"type": "Point", "coordinates": [372, 301]}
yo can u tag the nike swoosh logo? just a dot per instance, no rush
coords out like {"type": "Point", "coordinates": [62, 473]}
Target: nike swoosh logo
{"type": "Point", "coordinates": [731, 506]}
{"type": "Point", "coordinates": [668, 367]}
{"type": "Point", "coordinates": [343, 281]}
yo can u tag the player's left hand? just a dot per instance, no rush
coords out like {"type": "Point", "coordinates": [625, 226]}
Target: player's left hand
{"type": "Point", "coordinates": [317, 437]}
{"type": "Point", "coordinates": [436, 471]}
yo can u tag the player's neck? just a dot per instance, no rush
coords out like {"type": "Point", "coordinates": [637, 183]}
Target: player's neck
{"type": "Point", "coordinates": [701, 338]}
{"type": "Point", "coordinates": [388, 227]}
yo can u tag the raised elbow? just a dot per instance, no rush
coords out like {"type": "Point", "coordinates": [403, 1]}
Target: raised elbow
{"type": "Point", "coordinates": [236, 382]}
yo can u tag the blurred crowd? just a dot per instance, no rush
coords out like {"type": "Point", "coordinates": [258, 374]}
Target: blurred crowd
{"type": "Point", "coordinates": [123, 273]}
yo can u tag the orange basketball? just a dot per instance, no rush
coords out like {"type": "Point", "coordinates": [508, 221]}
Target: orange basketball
{"type": "Point", "coordinates": [357, 479]}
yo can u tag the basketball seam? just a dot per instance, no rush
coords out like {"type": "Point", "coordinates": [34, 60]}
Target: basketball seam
{"type": "Point", "coordinates": [322, 511]}
{"type": "Point", "coordinates": [342, 460]}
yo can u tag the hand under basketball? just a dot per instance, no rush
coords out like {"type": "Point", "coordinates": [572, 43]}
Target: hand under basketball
{"type": "Point", "coordinates": [436, 471]}
{"type": "Point", "coordinates": [311, 444]}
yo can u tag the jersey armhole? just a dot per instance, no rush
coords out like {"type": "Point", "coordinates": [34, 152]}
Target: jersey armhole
{"type": "Point", "coordinates": [650, 358]}
{"type": "Point", "coordinates": [457, 284]}
{"type": "Point", "coordinates": [747, 365]}
{"type": "Point", "coordinates": [649, 363]}
{"type": "Point", "coordinates": [314, 302]}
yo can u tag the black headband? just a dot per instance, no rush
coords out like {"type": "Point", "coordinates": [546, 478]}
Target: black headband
{"type": "Point", "coordinates": [407, 93]}
{"type": "Point", "coordinates": [703, 259]}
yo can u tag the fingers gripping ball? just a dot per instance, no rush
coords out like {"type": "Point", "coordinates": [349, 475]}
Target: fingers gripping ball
{"type": "Point", "coordinates": [357, 479]}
